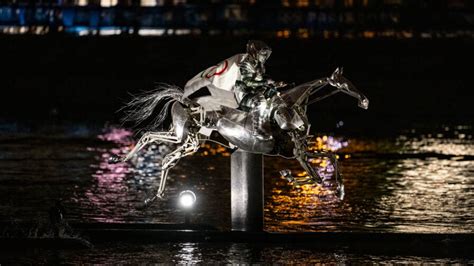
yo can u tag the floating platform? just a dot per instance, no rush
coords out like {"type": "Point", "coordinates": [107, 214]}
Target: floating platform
{"type": "Point", "coordinates": [437, 245]}
{"type": "Point", "coordinates": [415, 244]}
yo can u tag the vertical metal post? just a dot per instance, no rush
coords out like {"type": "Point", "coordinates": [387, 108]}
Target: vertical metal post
{"type": "Point", "coordinates": [247, 191]}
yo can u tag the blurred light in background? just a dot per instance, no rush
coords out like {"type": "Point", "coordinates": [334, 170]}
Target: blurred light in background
{"type": "Point", "coordinates": [107, 3]}
{"type": "Point", "coordinates": [324, 19]}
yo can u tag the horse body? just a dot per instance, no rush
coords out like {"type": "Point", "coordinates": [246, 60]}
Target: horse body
{"type": "Point", "coordinates": [283, 130]}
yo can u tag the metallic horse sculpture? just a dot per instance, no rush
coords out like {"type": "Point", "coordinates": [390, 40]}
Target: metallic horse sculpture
{"type": "Point", "coordinates": [282, 127]}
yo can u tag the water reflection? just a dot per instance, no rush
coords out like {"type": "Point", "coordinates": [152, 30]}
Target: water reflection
{"type": "Point", "coordinates": [110, 185]}
{"type": "Point", "coordinates": [119, 190]}
{"type": "Point", "coordinates": [187, 253]}
{"type": "Point", "coordinates": [389, 186]}
{"type": "Point", "coordinates": [386, 194]}
{"type": "Point", "coordinates": [383, 194]}
{"type": "Point", "coordinates": [429, 194]}
{"type": "Point", "coordinates": [208, 253]}
{"type": "Point", "coordinates": [449, 141]}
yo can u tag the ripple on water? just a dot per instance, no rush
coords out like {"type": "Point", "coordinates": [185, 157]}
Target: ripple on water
{"type": "Point", "coordinates": [402, 193]}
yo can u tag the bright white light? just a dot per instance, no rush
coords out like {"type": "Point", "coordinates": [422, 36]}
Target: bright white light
{"type": "Point", "coordinates": [148, 2]}
{"type": "Point", "coordinates": [107, 32]}
{"type": "Point", "coordinates": [187, 198]}
{"type": "Point", "coordinates": [82, 2]}
{"type": "Point", "coordinates": [151, 32]}
{"type": "Point", "coordinates": [107, 3]}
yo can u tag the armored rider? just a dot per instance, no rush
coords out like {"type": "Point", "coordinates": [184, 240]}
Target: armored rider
{"type": "Point", "coordinates": [253, 87]}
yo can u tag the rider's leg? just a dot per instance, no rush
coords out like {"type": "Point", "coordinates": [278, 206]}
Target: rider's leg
{"type": "Point", "coordinates": [257, 111]}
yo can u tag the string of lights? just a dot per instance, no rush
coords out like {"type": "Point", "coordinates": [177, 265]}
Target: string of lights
{"type": "Point", "coordinates": [325, 19]}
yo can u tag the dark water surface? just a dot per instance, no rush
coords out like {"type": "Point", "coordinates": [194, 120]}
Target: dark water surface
{"type": "Point", "coordinates": [198, 253]}
{"type": "Point", "coordinates": [411, 182]}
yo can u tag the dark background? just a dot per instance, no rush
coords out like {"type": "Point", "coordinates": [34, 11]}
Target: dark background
{"type": "Point", "coordinates": [61, 79]}
{"type": "Point", "coordinates": [410, 57]}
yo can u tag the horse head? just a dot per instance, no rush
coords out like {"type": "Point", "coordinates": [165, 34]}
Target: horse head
{"type": "Point", "coordinates": [301, 94]}
{"type": "Point", "coordinates": [338, 81]}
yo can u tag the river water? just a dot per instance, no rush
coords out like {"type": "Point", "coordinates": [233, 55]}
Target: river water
{"type": "Point", "coordinates": [412, 181]}
{"type": "Point", "coordinates": [210, 253]}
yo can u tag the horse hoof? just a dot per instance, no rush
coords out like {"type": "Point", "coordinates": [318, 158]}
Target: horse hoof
{"type": "Point", "coordinates": [287, 175]}
{"type": "Point", "coordinates": [148, 201]}
{"type": "Point", "coordinates": [114, 159]}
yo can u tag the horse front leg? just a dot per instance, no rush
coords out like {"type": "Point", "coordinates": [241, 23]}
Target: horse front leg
{"type": "Point", "coordinates": [312, 176]}
{"type": "Point", "coordinates": [300, 154]}
{"type": "Point", "coordinates": [337, 175]}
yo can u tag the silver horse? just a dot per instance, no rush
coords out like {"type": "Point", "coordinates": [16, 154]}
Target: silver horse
{"type": "Point", "coordinates": [283, 129]}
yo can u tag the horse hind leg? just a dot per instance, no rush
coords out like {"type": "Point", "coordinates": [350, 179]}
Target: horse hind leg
{"type": "Point", "coordinates": [147, 138]}
{"type": "Point", "coordinates": [190, 146]}
{"type": "Point", "coordinates": [176, 134]}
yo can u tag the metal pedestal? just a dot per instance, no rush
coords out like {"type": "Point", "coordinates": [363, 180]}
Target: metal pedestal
{"type": "Point", "coordinates": [247, 191]}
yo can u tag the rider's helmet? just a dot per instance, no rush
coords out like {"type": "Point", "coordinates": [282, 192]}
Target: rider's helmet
{"type": "Point", "coordinates": [258, 50]}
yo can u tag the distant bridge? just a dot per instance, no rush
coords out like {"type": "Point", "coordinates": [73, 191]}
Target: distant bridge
{"type": "Point", "coordinates": [234, 19]}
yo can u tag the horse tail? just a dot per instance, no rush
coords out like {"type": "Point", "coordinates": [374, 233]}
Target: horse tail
{"type": "Point", "coordinates": [143, 105]}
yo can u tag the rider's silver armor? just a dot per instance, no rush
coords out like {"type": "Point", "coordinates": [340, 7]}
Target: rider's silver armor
{"type": "Point", "coordinates": [250, 89]}
{"type": "Point", "coordinates": [251, 81]}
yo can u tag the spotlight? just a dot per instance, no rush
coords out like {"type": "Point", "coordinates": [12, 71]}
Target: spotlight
{"type": "Point", "coordinates": [187, 199]}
